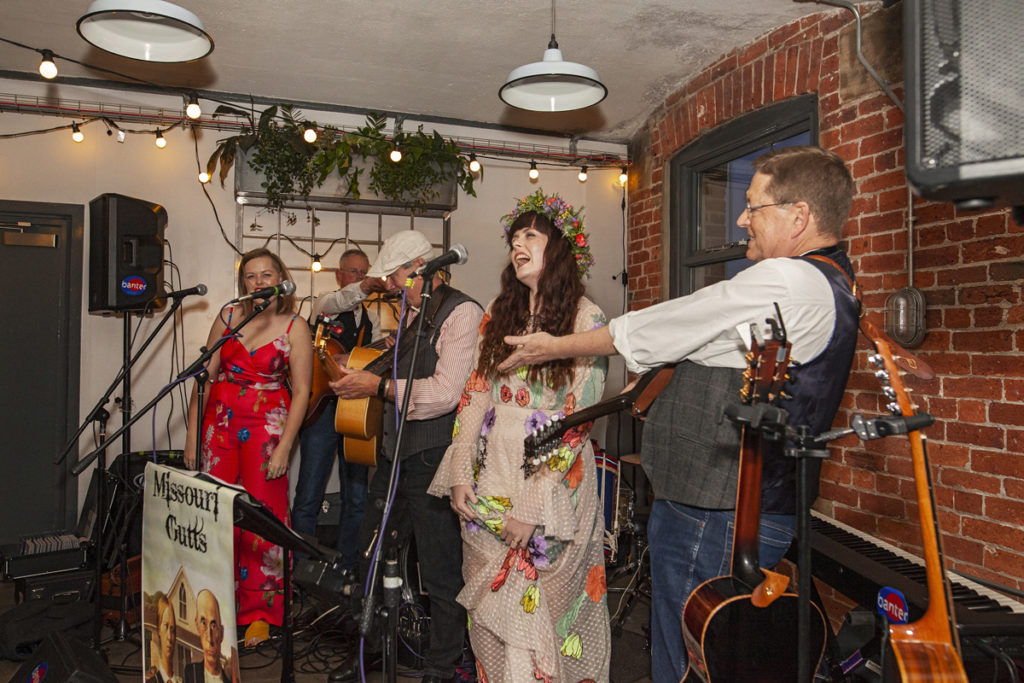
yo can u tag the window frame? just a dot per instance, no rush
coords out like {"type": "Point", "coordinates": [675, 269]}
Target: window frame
{"type": "Point", "coordinates": [729, 141]}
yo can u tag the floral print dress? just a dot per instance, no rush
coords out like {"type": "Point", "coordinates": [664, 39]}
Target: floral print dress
{"type": "Point", "coordinates": [540, 612]}
{"type": "Point", "coordinates": [242, 424]}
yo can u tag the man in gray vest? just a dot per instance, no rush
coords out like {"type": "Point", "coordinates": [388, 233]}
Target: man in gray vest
{"type": "Point", "coordinates": [451, 320]}
{"type": "Point", "coordinates": [797, 204]}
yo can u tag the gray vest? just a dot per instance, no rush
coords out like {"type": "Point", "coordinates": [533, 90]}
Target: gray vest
{"type": "Point", "coordinates": [419, 435]}
{"type": "Point", "coordinates": [690, 451]}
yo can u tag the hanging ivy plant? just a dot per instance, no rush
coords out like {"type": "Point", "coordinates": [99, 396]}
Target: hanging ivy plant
{"type": "Point", "coordinates": [291, 167]}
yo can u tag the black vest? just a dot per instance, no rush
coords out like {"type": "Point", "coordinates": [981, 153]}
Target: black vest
{"type": "Point", "coordinates": [419, 435]}
{"type": "Point", "coordinates": [342, 327]}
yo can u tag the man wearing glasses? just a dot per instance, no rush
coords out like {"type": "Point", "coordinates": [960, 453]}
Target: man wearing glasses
{"type": "Point", "coordinates": [797, 204]}
{"type": "Point", "coordinates": [348, 323]}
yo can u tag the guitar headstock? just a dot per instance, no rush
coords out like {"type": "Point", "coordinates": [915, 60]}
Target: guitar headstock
{"type": "Point", "coordinates": [888, 375]}
{"type": "Point", "coordinates": [767, 366]}
{"type": "Point", "coordinates": [320, 340]}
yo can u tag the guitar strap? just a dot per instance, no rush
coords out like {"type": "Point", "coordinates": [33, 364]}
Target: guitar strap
{"type": "Point", "coordinates": [904, 358]}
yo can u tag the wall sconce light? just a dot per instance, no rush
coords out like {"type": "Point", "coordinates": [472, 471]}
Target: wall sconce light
{"type": "Point", "coordinates": [624, 176]}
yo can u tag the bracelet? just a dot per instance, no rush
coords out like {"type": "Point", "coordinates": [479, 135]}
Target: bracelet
{"type": "Point", "coordinates": [382, 388]}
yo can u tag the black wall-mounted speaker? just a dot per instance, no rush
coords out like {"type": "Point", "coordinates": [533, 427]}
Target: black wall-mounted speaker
{"type": "Point", "coordinates": [126, 253]}
{"type": "Point", "coordinates": [965, 101]}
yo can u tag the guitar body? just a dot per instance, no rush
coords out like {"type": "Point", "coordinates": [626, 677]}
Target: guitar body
{"type": "Point", "coordinates": [320, 393]}
{"type": "Point", "coordinates": [911, 660]}
{"type": "Point", "coordinates": [728, 638]}
{"type": "Point", "coordinates": [360, 420]}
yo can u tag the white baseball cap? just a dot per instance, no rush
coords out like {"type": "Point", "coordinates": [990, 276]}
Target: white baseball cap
{"type": "Point", "coordinates": [399, 249]}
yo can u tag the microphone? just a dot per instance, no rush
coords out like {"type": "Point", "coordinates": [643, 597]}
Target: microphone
{"type": "Point", "coordinates": [182, 293]}
{"type": "Point", "coordinates": [285, 288]}
{"type": "Point", "coordinates": [456, 255]}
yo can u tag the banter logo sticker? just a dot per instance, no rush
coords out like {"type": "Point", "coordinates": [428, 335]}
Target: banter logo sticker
{"type": "Point", "coordinates": [893, 605]}
{"type": "Point", "coordinates": [133, 285]}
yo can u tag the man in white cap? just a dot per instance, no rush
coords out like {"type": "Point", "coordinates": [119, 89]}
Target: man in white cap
{"type": "Point", "coordinates": [450, 327]}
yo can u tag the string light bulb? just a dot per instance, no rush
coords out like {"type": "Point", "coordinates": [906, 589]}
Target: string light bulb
{"type": "Point", "coordinates": [474, 165]}
{"type": "Point", "coordinates": [204, 177]}
{"type": "Point", "coordinates": [582, 176]}
{"type": "Point", "coordinates": [309, 134]}
{"type": "Point", "coordinates": [396, 154]}
{"type": "Point", "coordinates": [534, 173]}
{"type": "Point", "coordinates": [317, 266]}
{"type": "Point", "coordinates": [160, 141]}
{"type": "Point", "coordinates": [47, 67]}
{"type": "Point", "coordinates": [76, 134]}
{"type": "Point", "coordinates": [623, 176]}
{"type": "Point", "coordinates": [192, 109]}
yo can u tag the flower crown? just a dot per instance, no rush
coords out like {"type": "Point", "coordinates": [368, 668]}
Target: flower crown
{"type": "Point", "coordinates": [565, 218]}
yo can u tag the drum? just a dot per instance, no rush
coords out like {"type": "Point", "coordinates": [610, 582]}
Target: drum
{"type": "Point", "coordinates": [615, 498]}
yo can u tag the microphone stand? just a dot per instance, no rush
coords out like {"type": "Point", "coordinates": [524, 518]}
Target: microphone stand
{"type": "Point", "coordinates": [192, 370]}
{"type": "Point", "coordinates": [392, 574]}
{"type": "Point", "coordinates": [125, 368]}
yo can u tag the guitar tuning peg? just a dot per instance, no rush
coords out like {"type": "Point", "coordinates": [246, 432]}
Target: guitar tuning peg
{"type": "Point", "coordinates": [876, 360]}
{"type": "Point", "coordinates": [882, 376]}
{"type": "Point", "coordinates": [893, 408]}
{"type": "Point", "coordinates": [889, 393]}
{"type": "Point", "coordinates": [535, 461]}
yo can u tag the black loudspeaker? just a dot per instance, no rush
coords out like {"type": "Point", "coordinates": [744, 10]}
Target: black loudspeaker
{"type": "Point", "coordinates": [126, 253]}
{"type": "Point", "coordinates": [965, 101]}
{"type": "Point", "coordinates": [63, 659]}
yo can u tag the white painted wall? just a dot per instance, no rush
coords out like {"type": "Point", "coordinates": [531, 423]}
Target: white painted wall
{"type": "Point", "coordinates": [51, 168]}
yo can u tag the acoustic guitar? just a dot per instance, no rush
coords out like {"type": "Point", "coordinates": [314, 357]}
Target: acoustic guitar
{"type": "Point", "coordinates": [929, 648]}
{"type": "Point", "coordinates": [359, 420]}
{"type": "Point", "coordinates": [743, 626]}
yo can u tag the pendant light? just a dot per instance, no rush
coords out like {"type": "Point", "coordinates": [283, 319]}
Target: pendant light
{"type": "Point", "coordinates": [552, 84]}
{"type": "Point", "coordinates": [147, 30]}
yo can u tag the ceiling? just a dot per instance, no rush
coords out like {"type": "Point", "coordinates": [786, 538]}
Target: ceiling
{"type": "Point", "coordinates": [439, 60]}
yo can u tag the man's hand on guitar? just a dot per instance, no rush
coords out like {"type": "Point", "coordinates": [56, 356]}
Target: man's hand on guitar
{"type": "Point", "coordinates": [356, 384]}
{"type": "Point", "coordinates": [529, 349]}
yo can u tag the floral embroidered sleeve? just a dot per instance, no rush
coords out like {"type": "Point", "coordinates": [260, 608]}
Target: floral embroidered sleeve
{"type": "Point", "coordinates": [549, 497]}
{"type": "Point", "coordinates": [471, 418]}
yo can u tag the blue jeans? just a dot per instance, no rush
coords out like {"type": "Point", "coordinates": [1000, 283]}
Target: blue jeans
{"type": "Point", "coordinates": [320, 446]}
{"type": "Point", "coordinates": [688, 546]}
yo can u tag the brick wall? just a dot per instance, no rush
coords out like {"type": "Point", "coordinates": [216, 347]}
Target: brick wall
{"type": "Point", "coordinates": [969, 266]}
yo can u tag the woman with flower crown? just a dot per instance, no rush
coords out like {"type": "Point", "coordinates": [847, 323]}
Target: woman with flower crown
{"type": "Point", "coordinates": [533, 562]}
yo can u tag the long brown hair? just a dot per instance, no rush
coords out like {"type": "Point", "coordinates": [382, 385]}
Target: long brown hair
{"type": "Point", "coordinates": [559, 290]}
{"type": "Point", "coordinates": [285, 302]}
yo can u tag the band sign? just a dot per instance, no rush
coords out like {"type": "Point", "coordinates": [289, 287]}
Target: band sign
{"type": "Point", "coordinates": [893, 605]}
{"type": "Point", "coordinates": [133, 285]}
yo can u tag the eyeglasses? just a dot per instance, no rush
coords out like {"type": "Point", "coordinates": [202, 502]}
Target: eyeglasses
{"type": "Point", "coordinates": [751, 209]}
{"type": "Point", "coordinates": [354, 271]}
